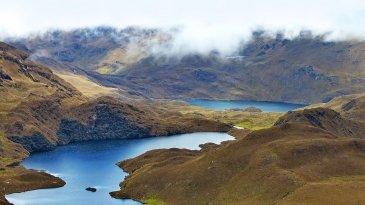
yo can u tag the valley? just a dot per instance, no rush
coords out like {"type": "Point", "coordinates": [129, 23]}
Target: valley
{"type": "Point", "coordinates": [240, 102]}
{"type": "Point", "coordinates": [64, 90]}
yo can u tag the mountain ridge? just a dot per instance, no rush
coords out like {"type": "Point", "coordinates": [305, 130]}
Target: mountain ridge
{"type": "Point", "coordinates": [304, 69]}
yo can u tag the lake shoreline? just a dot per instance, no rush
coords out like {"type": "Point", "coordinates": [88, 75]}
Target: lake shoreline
{"type": "Point", "coordinates": [224, 105]}
{"type": "Point", "coordinates": [215, 127]}
{"type": "Point", "coordinates": [267, 161]}
{"type": "Point", "coordinates": [185, 125]}
{"type": "Point", "coordinates": [123, 165]}
{"type": "Point", "coordinates": [38, 180]}
{"type": "Point", "coordinates": [49, 181]}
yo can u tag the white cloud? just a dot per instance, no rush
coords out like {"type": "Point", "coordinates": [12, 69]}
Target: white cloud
{"type": "Point", "coordinates": [206, 23]}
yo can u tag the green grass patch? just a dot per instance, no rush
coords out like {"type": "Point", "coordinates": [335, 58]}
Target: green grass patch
{"type": "Point", "coordinates": [153, 201]}
{"type": "Point", "coordinates": [3, 115]}
{"type": "Point", "coordinates": [262, 121]}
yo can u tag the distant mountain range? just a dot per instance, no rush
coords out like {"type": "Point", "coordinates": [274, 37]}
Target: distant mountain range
{"type": "Point", "coordinates": [304, 69]}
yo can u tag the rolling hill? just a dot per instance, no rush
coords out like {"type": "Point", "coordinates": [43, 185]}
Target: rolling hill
{"type": "Point", "coordinates": [311, 156]}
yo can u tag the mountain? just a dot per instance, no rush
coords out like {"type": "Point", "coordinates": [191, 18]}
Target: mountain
{"type": "Point", "coordinates": [39, 111]}
{"type": "Point", "coordinates": [21, 82]}
{"type": "Point", "coordinates": [304, 69]}
{"type": "Point", "coordinates": [105, 50]}
{"type": "Point", "coordinates": [311, 156]}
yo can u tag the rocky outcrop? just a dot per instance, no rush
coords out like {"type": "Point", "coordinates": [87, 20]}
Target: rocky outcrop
{"type": "Point", "coordinates": [105, 124]}
{"type": "Point", "coordinates": [4, 76]}
{"type": "Point", "coordinates": [310, 72]}
{"type": "Point", "coordinates": [204, 76]}
{"type": "Point", "coordinates": [34, 142]}
{"type": "Point", "coordinates": [41, 125]}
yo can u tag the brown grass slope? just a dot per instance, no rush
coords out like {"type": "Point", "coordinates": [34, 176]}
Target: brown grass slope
{"type": "Point", "coordinates": [309, 157]}
{"type": "Point", "coordinates": [350, 106]}
{"type": "Point", "coordinates": [21, 82]}
{"type": "Point", "coordinates": [33, 98]}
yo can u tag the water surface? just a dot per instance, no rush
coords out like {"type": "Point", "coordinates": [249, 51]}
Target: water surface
{"type": "Point", "coordinates": [92, 164]}
{"type": "Point", "coordinates": [241, 104]}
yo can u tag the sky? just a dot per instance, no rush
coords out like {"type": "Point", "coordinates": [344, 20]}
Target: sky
{"type": "Point", "coordinates": [215, 22]}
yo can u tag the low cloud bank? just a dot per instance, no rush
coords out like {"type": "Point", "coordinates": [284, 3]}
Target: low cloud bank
{"type": "Point", "coordinates": [202, 25]}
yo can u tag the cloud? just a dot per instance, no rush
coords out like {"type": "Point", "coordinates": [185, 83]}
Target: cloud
{"type": "Point", "coordinates": [203, 24]}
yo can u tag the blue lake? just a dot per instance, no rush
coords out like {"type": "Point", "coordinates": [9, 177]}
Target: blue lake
{"type": "Point", "coordinates": [241, 104]}
{"type": "Point", "coordinates": [92, 164]}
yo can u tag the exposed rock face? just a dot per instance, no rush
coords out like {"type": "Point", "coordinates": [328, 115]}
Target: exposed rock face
{"type": "Point", "coordinates": [35, 142]}
{"type": "Point", "coordinates": [349, 105]}
{"type": "Point", "coordinates": [43, 124]}
{"type": "Point", "coordinates": [4, 76]}
{"type": "Point", "coordinates": [105, 124]}
{"type": "Point", "coordinates": [308, 71]}
{"type": "Point", "coordinates": [205, 76]}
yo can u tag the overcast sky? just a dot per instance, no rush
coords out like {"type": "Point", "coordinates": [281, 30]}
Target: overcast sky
{"type": "Point", "coordinates": [208, 21]}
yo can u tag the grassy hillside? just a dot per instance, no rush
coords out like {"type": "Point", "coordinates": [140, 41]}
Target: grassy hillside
{"type": "Point", "coordinates": [86, 86]}
{"type": "Point", "coordinates": [39, 110]}
{"type": "Point", "coordinates": [21, 81]}
{"type": "Point", "coordinates": [350, 106]}
{"type": "Point", "coordinates": [313, 156]}
{"type": "Point", "coordinates": [248, 119]}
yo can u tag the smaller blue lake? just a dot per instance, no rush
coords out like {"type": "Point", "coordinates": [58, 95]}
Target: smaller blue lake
{"type": "Point", "coordinates": [241, 104]}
